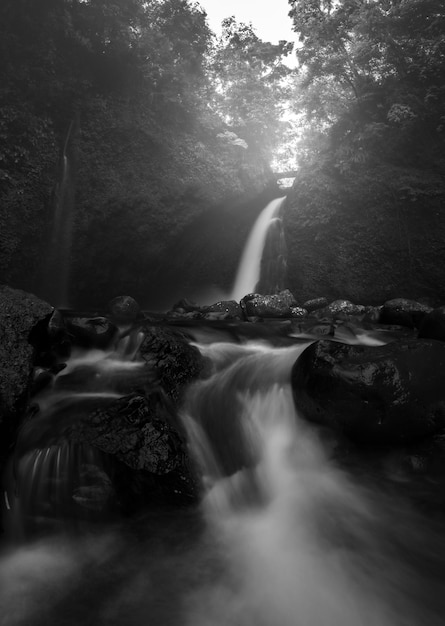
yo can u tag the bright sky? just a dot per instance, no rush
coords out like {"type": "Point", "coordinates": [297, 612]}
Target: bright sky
{"type": "Point", "coordinates": [269, 17]}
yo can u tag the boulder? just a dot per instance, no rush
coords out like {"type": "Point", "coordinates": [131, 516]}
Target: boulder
{"type": "Point", "coordinates": [432, 325]}
{"type": "Point", "coordinates": [23, 320]}
{"type": "Point", "coordinates": [225, 309]}
{"type": "Point", "coordinates": [130, 428]}
{"type": "Point", "coordinates": [168, 353]}
{"type": "Point", "coordinates": [387, 394]}
{"type": "Point", "coordinates": [275, 305]}
{"type": "Point", "coordinates": [403, 312]}
{"type": "Point", "coordinates": [124, 310]}
{"type": "Point", "coordinates": [315, 303]}
{"type": "Point", "coordinates": [340, 309]}
{"type": "Point", "coordinates": [140, 433]}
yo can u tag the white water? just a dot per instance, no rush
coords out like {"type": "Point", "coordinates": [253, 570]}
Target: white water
{"type": "Point", "coordinates": [288, 538]}
{"type": "Point", "coordinates": [249, 268]}
{"type": "Point", "coordinates": [302, 543]}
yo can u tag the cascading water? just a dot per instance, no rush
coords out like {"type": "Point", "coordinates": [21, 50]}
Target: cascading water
{"type": "Point", "coordinates": [302, 543]}
{"type": "Point", "coordinates": [283, 536]}
{"type": "Point", "coordinates": [51, 478]}
{"type": "Point", "coordinates": [249, 268]}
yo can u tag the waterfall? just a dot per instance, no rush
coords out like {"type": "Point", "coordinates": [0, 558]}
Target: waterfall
{"type": "Point", "coordinates": [55, 286]}
{"type": "Point", "coordinates": [249, 268]}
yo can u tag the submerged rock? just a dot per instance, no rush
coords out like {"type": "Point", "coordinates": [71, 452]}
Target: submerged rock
{"type": "Point", "coordinates": [388, 394]}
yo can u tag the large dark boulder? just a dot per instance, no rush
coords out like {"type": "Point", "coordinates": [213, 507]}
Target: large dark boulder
{"type": "Point", "coordinates": [388, 394]}
{"type": "Point", "coordinates": [23, 318]}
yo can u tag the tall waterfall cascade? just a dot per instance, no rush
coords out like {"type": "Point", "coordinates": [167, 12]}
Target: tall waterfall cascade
{"type": "Point", "coordinates": [249, 268]}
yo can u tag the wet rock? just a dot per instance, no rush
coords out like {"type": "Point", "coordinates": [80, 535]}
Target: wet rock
{"type": "Point", "coordinates": [275, 305]}
{"type": "Point", "coordinates": [139, 432]}
{"type": "Point", "coordinates": [124, 310]}
{"type": "Point", "coordinates": [130, 429]}
{"type": "Point", "coordinates": [432, 325]}
{"type": "Point", "coordinates": [23, 321]}
{"type": "Point", "coordinates": [388, 394]}
{"type": "Point", "coordinates": [298, 311]}
{"type": "Point", "coordinates": [225, 309]}
{"type": "Point", "coordinates": [404, 312]}
{"type": "Point", "coordinates": [95, 332]}
{"type": "Point", "coordinates": [315, 303]}
{"type": "Point", "coordinates": [340, 309]}
{"type": "Point", "coordinates": [175, 361]}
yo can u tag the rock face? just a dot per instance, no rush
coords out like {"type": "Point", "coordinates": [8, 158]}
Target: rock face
{"type": "Point", "coordinates": [389, 394]}
{"type": "Point", "coordinates": [366, 238]}
{"type": "Point", "coordinates": [20, 315]}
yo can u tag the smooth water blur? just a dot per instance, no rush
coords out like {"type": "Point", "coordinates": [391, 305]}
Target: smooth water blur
{"type": "Point", "coordinates": [284, 535]}
{"type": "Point", "coordinates": [52, 481]}
{"type": "Point", "coordinates": [249, 267]}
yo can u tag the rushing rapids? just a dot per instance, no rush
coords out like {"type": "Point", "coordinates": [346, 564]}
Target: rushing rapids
{"type": "Point", "coordinates": [283, 535]}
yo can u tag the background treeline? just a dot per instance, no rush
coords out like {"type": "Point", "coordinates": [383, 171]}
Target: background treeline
{"type": "Point", "coordinates": [156, 139]}
{"type": "Point", "coordinates": [166, 127]}
{"type": "Point", "coordinates": [370, 195]}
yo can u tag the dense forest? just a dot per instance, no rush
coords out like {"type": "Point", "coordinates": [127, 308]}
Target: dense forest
{"type": "Point", "coordinates": [166, 126]}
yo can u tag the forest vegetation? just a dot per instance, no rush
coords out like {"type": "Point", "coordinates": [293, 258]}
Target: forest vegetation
{"type": "Point", "coordinates": [165, 124]}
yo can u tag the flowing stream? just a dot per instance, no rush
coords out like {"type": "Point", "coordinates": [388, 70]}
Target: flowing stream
{"type": "Point", "coordinates": [283, 535]}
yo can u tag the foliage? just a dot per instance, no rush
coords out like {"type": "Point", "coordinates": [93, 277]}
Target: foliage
{"type": "Point", "coordinates": [251, 90]}
{"type": "Point", "coordinates": [372, 75]}
{"type": "Point", "coordinates": [146, 152]}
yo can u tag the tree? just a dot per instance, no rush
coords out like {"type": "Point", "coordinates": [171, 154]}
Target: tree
{"type": "Point", "coordinates": [250, 81]}
{"type": "Point", "coordinates": [386, 62]}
